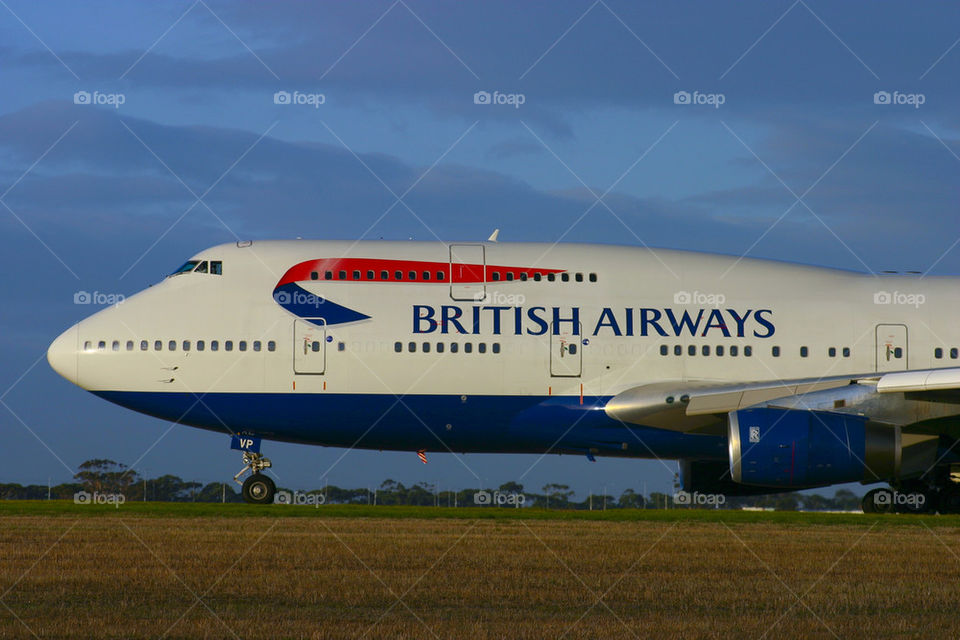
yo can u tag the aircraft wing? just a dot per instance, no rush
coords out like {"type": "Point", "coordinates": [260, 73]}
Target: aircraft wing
{"type": "Point", "coordinates": [922, 401]}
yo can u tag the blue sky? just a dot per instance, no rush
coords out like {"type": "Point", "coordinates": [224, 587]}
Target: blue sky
{"type": "Point", "coordinates": [804, 160]}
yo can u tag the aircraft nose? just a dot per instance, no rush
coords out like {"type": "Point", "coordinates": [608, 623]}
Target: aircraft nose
{"type": "Point", "coordinates": [63, 354]}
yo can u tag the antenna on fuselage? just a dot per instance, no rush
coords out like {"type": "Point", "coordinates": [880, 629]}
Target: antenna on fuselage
{"type": "Point", "coordinates": [493, 236]}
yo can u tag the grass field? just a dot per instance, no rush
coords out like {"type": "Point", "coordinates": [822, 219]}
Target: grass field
{"type": "Point", "coordinates": [225, 571]}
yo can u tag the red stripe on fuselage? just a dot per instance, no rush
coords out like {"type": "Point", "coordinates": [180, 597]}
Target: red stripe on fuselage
{"type": "Point", "coordinates": [461, 273]}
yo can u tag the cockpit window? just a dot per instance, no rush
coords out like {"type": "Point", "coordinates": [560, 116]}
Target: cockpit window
{"type": "Point", "coordinates": [187, 267]}
{"type": "Point", "coordinates": [202, 268]}
{"type": "Point", "coordinates": [216, 267]}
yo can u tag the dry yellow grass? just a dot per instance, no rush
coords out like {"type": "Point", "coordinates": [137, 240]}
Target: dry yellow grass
{"type": "Point", "coordinates": [205, 577]}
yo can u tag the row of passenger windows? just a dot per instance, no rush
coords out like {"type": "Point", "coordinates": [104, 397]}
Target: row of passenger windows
{"type": "Point", "coordinates": [495, 276]}
{"type": "Point", "coordinates": [954, 353]}
{"type": "Point", "coordinates": [184, 345]}
{"type": "Point", "coordinates": [441, 347]}
{"type": "Point", "coordinates": [734, 350]}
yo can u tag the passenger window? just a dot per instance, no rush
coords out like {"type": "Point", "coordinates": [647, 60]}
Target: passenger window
{"type": "Point", "coordinates": [144, 345]}
{"type": "Point", "coordinates": [734, 350]}
{"type": "Point", "coordinates": [832, 352]}
{"type": "Point", "coordinates": [242, 345]}
{"type": "Point", "coordinates": [572, 348]}
{"type": "Point", "coordinates": [398, 346]}
{"type": "Point", "coordinates": [468, 347]}
{"type": "Point", "coordinates": [578, 277]}
{"type": "Point", "coordinates": [953, 353]}
{"type": "Point", "coordinates": [370, 275]}
{"type": "Point", "coordinates": [200, 345]}
{"type": "Point", "coordinates": [214, 345]}
{"type": "Point", "coordinates": [482, 347]}
{"type": "Point", "coordinates": [439, 347]}
{"type": "Point", "coordinates": [937, 353]}
{"type": "Point", "coordinates": [441, 275]}
{"type": "Point", "coordinates": [172, 345]}
{"type": "Point", "coordinates": [116, 345]}
{"type": "Point", "coordinates": [664, 350]}
{"type": "Point", "coordinates": [523, 276]}
{"type": "Point", "coordinates": [271, 346]}
{"type": "Point", "coordinates": [384, 275]}
{"type": "Point", "coordinates": [328, 275]}
{"type": "Point", "coordinates": [228, 345]}
{"type": "Point", "coordinates": [537, 277]}
{"type": "Point", "coordinates": [256, 345]}
{"type": "Point", "coordinates": [129, 345]}
{"type": "Point", "coordinates": [426, 275]}
{"type": "Point", "coordinates": [495, 276]}
{"type": "Point", "coordinates": [846, 352]}
{"type": "Point", "coordinates": [509, 276]}
{"type": "Point", "coordinates": [496, 347]}
{"type": "Point", "coordinates": [314, 346]}
{"type": "Point", "coordinates": [356, 274]}
{"type": "Point", "coordinates": [341, 346]}
{"type": "Point", "coordinates": [102, 345]}
{"type": "Point", "coordinates": [677, 350]}
{"type": "Point", "coordinates": [551, 277]}
{"type": "Point", "coordinates": [776, 352]}
{"type": "Point", "coordinates": [88, 346]}
{"type": "Point", "coordinates": [454, 347]}
{"type": "Point", "coordinates": [593, 277]}
{"type": "Point", "coordinates": [398, 275]}
{"type": "Point", "coordinates": [412, 347]}
{"type": "Point", "coordinates": [314, 275]}
{"type": "Point", "coordinates": [412, 275]}
{"type": "Point", "coordinates": [804, 352]}
{"type": "Point", "coordinates": [705, 350]}
{"type": "Point", "coordinates": [565, 276]}
{"type": "Point", "coordinates": [216, 268]}
{"type": "Point", "coordinates": [898, 352]}
{"type": "Point", "coordinates": [426, 347]}
{"type": "Point", "coordinates": [692, 350]}
{"type": "Point", "coordinates": [158, 345]}
{"type": "Point", "coordinates": [748, 351]}
{"type": "Point", "coordinates": [186, 345]}
{"type": "Point", "coordinates": [719, 350]}
{"type": "Point", "coordinates": [341, 275]}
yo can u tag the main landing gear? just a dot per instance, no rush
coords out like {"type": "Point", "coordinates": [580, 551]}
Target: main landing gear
{"type": "Point", "coordinates": [258, 488]}
{"type": "Point", "coordinates": [914, 497]}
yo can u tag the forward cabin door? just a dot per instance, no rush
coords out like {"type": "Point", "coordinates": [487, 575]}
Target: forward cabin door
{"type": "Point", "coordinates": [892, 347]}
{"type": "Point", "coordinates": [566, 352]}
{"type": "Point", "coordinates": [468, 272]}
{"type": "Point", "coordinates": [309, 346]}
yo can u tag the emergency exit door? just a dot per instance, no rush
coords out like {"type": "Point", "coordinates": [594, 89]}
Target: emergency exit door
{"type": "Point", "coordinates": [566, 353]}
{"type": "Point", "coordinates": [468, 272]}
{"type": "Point", "coordinates": [892, 347]}
{"type": "Point", "coordinates": [309, 346]}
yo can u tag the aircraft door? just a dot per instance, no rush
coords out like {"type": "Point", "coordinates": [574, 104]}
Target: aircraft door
{"type": "Point", "coordinates": [467, 272]}
{"type": "Point", "coordinates": [566, 353]}
{"type": "Point", "coordinates": [892, 347]}
{"type": "Point", "coordinates": [309, 346]}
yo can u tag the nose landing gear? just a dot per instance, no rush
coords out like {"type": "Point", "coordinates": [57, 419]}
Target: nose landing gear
{"type": "Point", "coordinates": [258, 488]}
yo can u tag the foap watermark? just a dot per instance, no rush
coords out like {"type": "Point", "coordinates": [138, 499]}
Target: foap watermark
{"type": "Point", "coordinates": [98, 298]}
{"type": "Point", "coordinates": [498, 297]}
{"type": "Point", "coordinates": [899, 297]}
{"type": "Point", "coordinates": [299, 98]}
{"type": "Point", "coordinates": [700, 298]}
{"type": "Point", "coordinates": [96, 97]}
{"type": "Point", "coordinates": [499, 499]}
{"type": "Point", "coordinates": [899, 98]}
{"type": "Point", "coordinates": [85, 497]}
{"type": "Point", "coordinates": [697, 499]}
{"type": "Point", "coordinates": [299, 298]}
{"type": "Point", "coordinates": [299, 498]}
{"type": "Point", "coordinates": [696, 97]}
{"type": "Point", "coordinates": [496, 97]}
{"type": "Point", "coordinates": [897, 499]}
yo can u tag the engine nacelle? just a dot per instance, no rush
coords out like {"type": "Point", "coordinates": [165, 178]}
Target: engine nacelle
{"type": "Point", "coordinates": [796, 449]}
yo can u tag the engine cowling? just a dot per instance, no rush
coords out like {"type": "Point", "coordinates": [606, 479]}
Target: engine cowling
{"type": "Point", "coordinates": [793, 448]}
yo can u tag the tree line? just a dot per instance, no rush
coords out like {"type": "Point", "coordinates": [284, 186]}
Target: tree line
{"type": "Point", "coordinates": [106, 477]}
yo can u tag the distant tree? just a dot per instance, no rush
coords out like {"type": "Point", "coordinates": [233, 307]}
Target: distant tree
{"type": "Point", "coordinates": [659, 500]}
{"type": "Point", "coordinates": [105, 476]}
{"type": "Point", "coordinates": [630, 499]}
{"type": "Point", "coordinates": [558, 495]}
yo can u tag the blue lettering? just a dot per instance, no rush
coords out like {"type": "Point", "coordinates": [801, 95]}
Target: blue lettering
{"type": "Point", "coordinates": [715, 321]}
{"type": "Point", "coordinates": [540, 322]}
{"type": "Point", "coordinates": [766, 323]}
{"type": "Point", "coordinates": [655, 321]}
{"type": "Point", "coordinates": [450, 315]}
{"type": "Point", "coordinates": [423, 313]}
{"type": "Point", "coordinates": [607, 319]}
{"type": "Point", "coordinates": [574, 321]}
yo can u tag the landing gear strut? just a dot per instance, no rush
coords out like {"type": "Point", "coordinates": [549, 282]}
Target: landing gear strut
{"type": "Point", "coordinates": [258, 488]}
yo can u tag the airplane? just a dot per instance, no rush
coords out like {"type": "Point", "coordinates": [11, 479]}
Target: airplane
{"type": "Point", "coordinates": [758, 376]}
